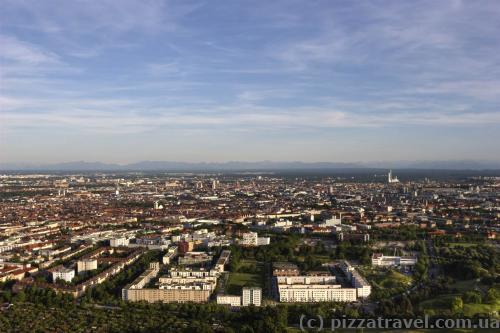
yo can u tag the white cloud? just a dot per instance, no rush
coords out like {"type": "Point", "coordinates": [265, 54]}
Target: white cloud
{"type": "Point", "coordinates": [17, 51]}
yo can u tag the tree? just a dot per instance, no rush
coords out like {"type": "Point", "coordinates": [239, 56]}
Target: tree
{"type": "Point", "coordinates": [457, 305]}
{"type": "Point", "coordinates": [472, 296]}
{"type": "Point", "coordinates": [492, 295]}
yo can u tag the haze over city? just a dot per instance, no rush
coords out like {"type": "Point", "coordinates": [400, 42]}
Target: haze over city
{"type": "Point", "coordinates": [334, 81]}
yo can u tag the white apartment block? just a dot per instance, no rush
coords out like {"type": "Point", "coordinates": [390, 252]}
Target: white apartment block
{"type": "Point", "coordinates": [251, 296]}
{"type": "Point", "coordinates": [263, 241]}
{"type": "Point", "coordinates": [231, 300]}
{"type": "Point", "coordinates": [116, 242]}
{"type": "Point", "coordinates": [63, 273]}
{"type": "Point", "coordinates": [170, 255]}
{"type": "Point", "coordinates": [84, 265]}
{"type": "Point", "coordinates": [186, 272]}
{"type": "Point", "coordinates": [252, 239]}
{"type": "Point", "coordinates": [330, 279]}
{"type": "Point", "coordinates": [363, 288]}
{"type": "Point", "coordinates": [378, 259]}
{"type": "Point", "coordinates": [310, 293]}
{"type": "Point", "coordinates": [249, 239]}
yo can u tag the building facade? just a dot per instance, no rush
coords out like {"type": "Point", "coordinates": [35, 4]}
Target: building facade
{"type": "Point", "coordinates": [251, 296]}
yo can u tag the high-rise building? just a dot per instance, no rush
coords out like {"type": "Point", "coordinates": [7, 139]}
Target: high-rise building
{"type": "Point", "coordinates": [251, 296]}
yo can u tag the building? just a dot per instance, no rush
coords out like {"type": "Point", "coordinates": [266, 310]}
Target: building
{"type": "Point", "coordinates": [172, 289]}
{"type": "Point", "coordinates": [334, 221]}
{"type": "Point", "coordinates": [14, 271]}
{"type": "Point", "coordinates": [391, 179]}
{"type": "Point", "coordinates": [252, 239]}
{"type": "Point", "coordinates": [63, 273]}
{"type": "Point", "coordinates": [184, 247]}
{"type": "Point", "coordinates": [378, 259]}
{"type": "Point", "coordinates": [120, 241]}
{"type": "Point", "coordinates": [316, 293]}
{"type": "Point", "coordinates": [263, 241]}
{"type": "Point", "coordinates": [222, 261]}
{"type": "Point", "coordinates": [84, 265]}
{"type": "Point", "coordinates": [249, 239]}
{"type": "Point", "coordinates": [363, 288]}
{"type": "Point", "coordinates": [231, 300]}
{"type": "Point", "coordinates": [322, 288]}
{"type": "Point", "coordinates": [251, 296]}
{"type": "Point", "coordinates": [173, 294]}
{"type": "Point", "coordinates": [310, 289]}
{"type": "Point", "coordinates": [309, 279]}
{"type": "Point", "coordinates": [285, 269]}
{"type": "Point", "coordinates": [195, 258]}
{"type": "Point", "coordinates": [188, 271]}
{"type": "Point", "coordinates": [170, 255]}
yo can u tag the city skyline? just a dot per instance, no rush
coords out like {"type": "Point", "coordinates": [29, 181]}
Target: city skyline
{"type": "Point", "coordinates": [121, 82]}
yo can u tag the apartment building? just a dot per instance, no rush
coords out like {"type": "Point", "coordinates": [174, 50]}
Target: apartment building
{"type": "Point", "coordinates": [63, 273]}
{"type": "Point", "coordinates": [310, 293]}
{"type": "Point", "coordinates": [231, 300]}
{"type": "Point", "coordinates": [251, 296]}
{"type": "Point", "coordinates": [88, 264]}
{"type": "Point", "coordinates": [363, 288]}
{"type": "Point", "coordinates": [378, 259]}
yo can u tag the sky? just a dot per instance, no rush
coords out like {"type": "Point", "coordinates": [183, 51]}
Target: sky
{"type": "Point", "coordinates": [338, 81]}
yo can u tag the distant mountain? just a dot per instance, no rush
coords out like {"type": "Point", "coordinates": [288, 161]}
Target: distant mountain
{"type": "Point", "coordinates": [441, 165]}
{"type": "Point", "coordinates": [236, 165]}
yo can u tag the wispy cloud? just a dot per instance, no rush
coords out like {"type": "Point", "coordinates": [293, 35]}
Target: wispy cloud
{"type": "Point", "coordinates": [15, 51]}
{"type": "Point", "coordinates": [149, 67]}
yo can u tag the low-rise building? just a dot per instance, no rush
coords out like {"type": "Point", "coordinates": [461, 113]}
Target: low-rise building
{"type": "Point", "coordinates": [231, 300]}
{"type": "Point", "coordinates": [378, 259]}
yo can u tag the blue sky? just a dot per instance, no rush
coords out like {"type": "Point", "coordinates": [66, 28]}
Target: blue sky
{"type": "Point", "coordinates": [123, 81]}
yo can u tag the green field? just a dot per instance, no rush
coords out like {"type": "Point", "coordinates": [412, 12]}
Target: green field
{"type": "Point", "coordinates": [238, 280]}
{"type": "Point", "coordinates": [438, 304]}
{"type": "Point", "coordinates": [387, 278]}
{"type": "Point", "coordinates": [441, 305]}
{"type": "Point", "coordinates": [466, 285]}
{"type": "Point", "coordinates": [462, 244]}
{"type": "Point", "coordinates": [395, 280]}
{"type": "Point", "coordinates": [472, 309]}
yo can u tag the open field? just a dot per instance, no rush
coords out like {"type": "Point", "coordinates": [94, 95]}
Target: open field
{"type": "Point", "coordinates": [441, 305]}
{"type": "Point", "coordinates": [239, 280]}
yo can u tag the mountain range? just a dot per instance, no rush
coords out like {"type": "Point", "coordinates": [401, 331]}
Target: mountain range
{"type": "Point", "coordinates": [259, 165]}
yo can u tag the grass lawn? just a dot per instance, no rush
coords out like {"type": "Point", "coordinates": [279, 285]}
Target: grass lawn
{"type": "Point", "coordinates": [466, 285]}
{"type": "Point", "coordinates": [442, 304]}
{"type": "Point", "coordinates": [472, 309]}
{"type": "Point", "coordinates": [238, 280]}
{"type": "Point", "coordinates": [387, 279]}
{"type": "Point", "coordinates": [462, 244]}
{"type": "Point", "coordinates": [395, 279]}
{"type": "Point", "coordinates": [249, 262]}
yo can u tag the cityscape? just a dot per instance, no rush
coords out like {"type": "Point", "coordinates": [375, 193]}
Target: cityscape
{"type": "Point", "coordinates": [271, 241]}
{"type": "Point", "coordinates": [250, 166]}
